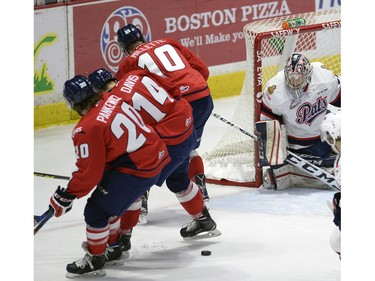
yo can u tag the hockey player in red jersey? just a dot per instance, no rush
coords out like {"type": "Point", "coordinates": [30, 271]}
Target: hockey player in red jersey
{"type": "Point", "coordinates": [168, 58]}
{"type": "Point", "coordinates": [116, 153]}
{"type": "Point", "coordinates": [172, 118]}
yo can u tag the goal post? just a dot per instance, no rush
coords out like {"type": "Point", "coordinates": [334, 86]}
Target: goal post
{"type": "Point", "coordinates": [234, 159]}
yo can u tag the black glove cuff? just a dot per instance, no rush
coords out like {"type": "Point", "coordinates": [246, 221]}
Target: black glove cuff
{"type": "Point", "coordinates": [64, 194]}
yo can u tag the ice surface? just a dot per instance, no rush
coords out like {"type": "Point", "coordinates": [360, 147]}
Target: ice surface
{"type": "Point", "coordinates": [266, 235]}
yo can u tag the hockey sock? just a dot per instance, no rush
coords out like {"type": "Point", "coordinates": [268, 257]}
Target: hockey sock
{"type": "Point", "coordinates": [130, 218]}
{"type": "Point", "coordinates": [114, 228]}
{"type": "Point", "coordinates": [97, 239]}
{"type": "Point", "coordinates": [196, 166]}
{"type": "Point", "coordinates": [191, 200]}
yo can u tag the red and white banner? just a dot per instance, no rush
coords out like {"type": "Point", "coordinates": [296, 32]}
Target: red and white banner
{"type": "Point", "coordinates": [212, 29]}
{"type": "Point", "coordinates": [79, 36]}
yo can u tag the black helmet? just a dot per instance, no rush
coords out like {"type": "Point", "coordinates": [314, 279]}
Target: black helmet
{"type": "Point", "coordinates": [99, 77]}
{"type": "Point", "coordinates": [128, 35]}
{"type": "Point", "coordinates": [77, 89]}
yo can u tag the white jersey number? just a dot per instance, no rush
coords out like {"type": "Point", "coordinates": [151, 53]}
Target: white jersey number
{"type": "Point", "coordinates": [129, 119]}
{"type": "Point", "coordinates": [157, 92]}
{"type": "Point", "coordinates": [166, 55]}
{"type": "Point", "coordinates": [82, 151]}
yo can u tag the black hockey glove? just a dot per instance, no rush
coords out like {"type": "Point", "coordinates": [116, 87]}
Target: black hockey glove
{"type": "Point", "coordinates": [61, 201]}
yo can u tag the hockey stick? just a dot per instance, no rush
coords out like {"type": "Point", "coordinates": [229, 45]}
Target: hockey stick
{"type": "Point", "coordinates": [293, 159]}
{"type": "Point", "coordinates": [39, 221]}
{"type": "Point", "coordinates": [51, 176]}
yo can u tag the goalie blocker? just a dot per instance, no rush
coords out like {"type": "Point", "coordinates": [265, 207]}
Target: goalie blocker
{"type": "Point", "coordinates": [273, 153]}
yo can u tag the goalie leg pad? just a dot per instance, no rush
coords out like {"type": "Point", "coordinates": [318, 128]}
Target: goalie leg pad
{"type": "Point", "coordinates": [272, 143]}
{"type": "Point", "coordinates": [282, 176]}
{"type": "Point", "coordinates": [287, 176]}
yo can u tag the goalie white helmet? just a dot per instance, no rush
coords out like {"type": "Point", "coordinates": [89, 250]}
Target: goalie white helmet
{"type": "Point", "coordinates": [297, 73]}
{"type": "Point", "coordinates": [330, 129]}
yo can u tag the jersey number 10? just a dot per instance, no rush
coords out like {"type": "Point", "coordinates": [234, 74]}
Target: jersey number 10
{"type": "Point", "coordinates": [167, 56]}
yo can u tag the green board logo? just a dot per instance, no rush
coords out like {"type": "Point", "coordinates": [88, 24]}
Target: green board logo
{"type": "Point", "coordinates": [42, 82]}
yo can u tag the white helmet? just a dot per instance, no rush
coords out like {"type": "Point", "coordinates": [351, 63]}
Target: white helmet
{"type": "Point", "coordinates": [297, 73]}
{"type": "Point", "coordinates": [330, 129]}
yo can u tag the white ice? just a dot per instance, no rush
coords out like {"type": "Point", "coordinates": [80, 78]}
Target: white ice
{"type": "Point", "coordinates": [266, 235]}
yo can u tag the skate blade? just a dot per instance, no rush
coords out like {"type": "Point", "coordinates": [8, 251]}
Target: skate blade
{"type": "Point", "coordinates": [204, 235]}
{"type": "Point", "coordinates": [125, 255]}
{"type": "Point", "coordinates": [142, 220]}
{"type": "Point", "coordinates": [115, 262]}
{"type": "Point", "coordinates": [96, 273]}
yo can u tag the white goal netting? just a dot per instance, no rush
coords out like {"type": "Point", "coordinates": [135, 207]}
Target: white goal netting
{"type": "Point", "coordinates": [234, 160]}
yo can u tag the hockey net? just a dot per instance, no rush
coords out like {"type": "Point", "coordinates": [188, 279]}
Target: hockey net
{"type": "Point", "coordinates": [234, 160]}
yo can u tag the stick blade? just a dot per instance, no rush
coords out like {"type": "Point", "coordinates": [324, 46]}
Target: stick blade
{"type": "Point", "coordinates": [40, 221]}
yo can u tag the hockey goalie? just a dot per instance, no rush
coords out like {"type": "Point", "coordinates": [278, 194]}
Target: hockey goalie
{"type": "Point", "coordinates": [293, 106]}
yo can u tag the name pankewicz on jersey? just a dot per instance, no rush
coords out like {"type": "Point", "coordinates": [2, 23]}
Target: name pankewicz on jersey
{"type": "Point", "coordinates": [107, 109]}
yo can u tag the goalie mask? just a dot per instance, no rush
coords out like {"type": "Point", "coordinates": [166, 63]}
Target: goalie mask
{"type": "Point", "coordinates": [297, 73]}
{"type": "Point", "coordinates": [330, 129]}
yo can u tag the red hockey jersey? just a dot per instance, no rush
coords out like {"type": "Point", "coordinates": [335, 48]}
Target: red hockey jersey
{"type": "Point", "coordinates": [167, 57]}
{"type": "Point", "coordinates": [112, 135]}
{"type": "Point", "coordinates": [152, 96]}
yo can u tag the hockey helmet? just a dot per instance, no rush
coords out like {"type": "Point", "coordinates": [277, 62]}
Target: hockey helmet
{"type": "Point", "coordinates": [128, 35]}
{"type": "Point", "coordinates": [297, 73]}
{"type": "Point", "coordinates": [330, 129]}
{"type": "Point", "coordinates": [76, 90]}
{"type": "Point", "coordinates": [100, 77]}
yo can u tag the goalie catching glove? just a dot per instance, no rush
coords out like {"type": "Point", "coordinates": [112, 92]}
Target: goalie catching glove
{"type": "Point", "coordinates": [61, 201]}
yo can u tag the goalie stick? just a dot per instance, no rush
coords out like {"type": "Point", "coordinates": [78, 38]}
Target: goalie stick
{"type": "Point", "coordinates": [40, 221]}
{"type": "Point", "coordinates": [293, 159]}
{"type": "Point", "coordinates": [52, 176]}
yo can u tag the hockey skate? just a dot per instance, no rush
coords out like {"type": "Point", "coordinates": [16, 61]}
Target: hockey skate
{"type": "Point", "coordinates": [125, 244]}
{"type": "Point", "coordinates": [142, 217]}
{"type": "Point", "coordinates": [88, 266]}
{"type": "Point", "coordinates": [113, 256]}
{"type": "Point", "coordinates": [144, 209]}
{"type": "Point", "coordinates": [200, 228]}
{"type": "Point", "coordinates": [200, 180]}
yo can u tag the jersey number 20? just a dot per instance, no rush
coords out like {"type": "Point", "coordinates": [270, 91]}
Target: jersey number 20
{"type": "Point", "coordinates": [130, 120]}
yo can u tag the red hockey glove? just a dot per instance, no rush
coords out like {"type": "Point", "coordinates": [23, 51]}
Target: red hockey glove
{"type": "Point", "coordinates": [61, 201]}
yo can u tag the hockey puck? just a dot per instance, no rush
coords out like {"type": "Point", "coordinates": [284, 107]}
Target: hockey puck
{"type": "Point", "coordinates": [206, 253]}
